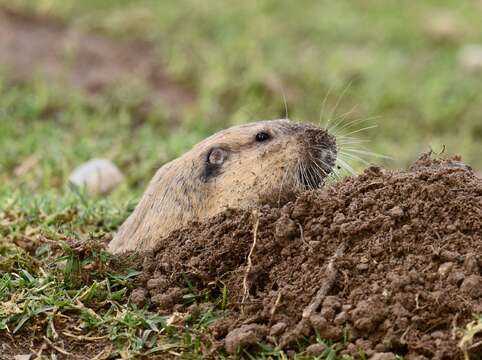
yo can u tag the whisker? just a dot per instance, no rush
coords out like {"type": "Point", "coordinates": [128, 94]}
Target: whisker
{"type": "Point", "coordinates": [346, 166]}
{"type": "Point", "coordinates": [334, 175]}
{"type": "Point", "coordinates": [369, 153]}
{"type": "Point", "coordinates": [350, 142]}
{"type": "Point", "coordinates": [298, 174]}
{"type": "Point", "coordinates": [344, 137]}
{"type": "Point", "coordinates": [323, 172]}
{"type": "Point", "coordinates": [362, 129]}
{"type": "Point", "coordinates": [343, 146]}
{"type": "Point", "coordinates": [354, 157]}
{"type": "Point", "coordinates": [354, 122]}
{"type": "Point", "coordinates": [303, 174]}
{"type": "Point", "coordinates": [341, 118]}
{"type": "Point", "coordinates": [285, 103]}
{"type": "Point", "coordinates": [322, 110]}
{"type": "Point", "coordinates": [312, 177]}
{"type": "Point", "coordinates": [339, 98]}
{"type": "Point", "coordinates": [333, 172]}
{"type": "Point", "coordinates": [309, 178]}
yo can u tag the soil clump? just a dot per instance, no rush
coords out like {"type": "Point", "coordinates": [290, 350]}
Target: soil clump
{"type": "Point", "coordinates": [388, 261]}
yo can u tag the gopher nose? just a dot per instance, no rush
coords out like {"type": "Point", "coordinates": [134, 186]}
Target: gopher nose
{"type": "Point", "coordinates": [318, 137]}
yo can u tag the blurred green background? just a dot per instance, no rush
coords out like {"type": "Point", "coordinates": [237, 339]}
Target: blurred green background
{"type": "Point", "coordinates": [413, 68]}
{"type": "Point", "coordinates": [401, 65]}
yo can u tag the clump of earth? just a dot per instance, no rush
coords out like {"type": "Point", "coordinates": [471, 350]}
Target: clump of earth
{"type": "Point", "coordinates": [385, 264]}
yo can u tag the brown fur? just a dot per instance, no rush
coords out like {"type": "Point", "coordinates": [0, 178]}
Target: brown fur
{"type": "Point", "coordinates": [253, 173]}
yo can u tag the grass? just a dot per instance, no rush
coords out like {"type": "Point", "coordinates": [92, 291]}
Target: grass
{"type": "Point", "coordinates": [467, 341]}
{"type": "Point", "coordinates": [244, 61]}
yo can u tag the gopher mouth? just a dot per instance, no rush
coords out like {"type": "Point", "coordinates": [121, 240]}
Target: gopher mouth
{"type": "Point", "coordinates": [313, 172]}
{"type": "Point", "coordinates": [319, 159]}
{"type": "Point", "coordinates": [310, 181]}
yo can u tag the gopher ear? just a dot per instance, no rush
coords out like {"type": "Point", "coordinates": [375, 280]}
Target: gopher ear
{"type": "Point", "coordinates": [210, 171]}
{"type": "Point", "coordinates": [213, 165]}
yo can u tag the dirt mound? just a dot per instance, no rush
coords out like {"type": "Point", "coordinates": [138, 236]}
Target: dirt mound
{"type": "Point", "coordinates": [389, 261]}
{"type": "Point", "coordinates": [31, 46]}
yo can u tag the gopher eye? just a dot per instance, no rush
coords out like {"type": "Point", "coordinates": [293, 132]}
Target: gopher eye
{"type": "Point", "coordinates": [262, 136]}
{"type": "Point", "coordinates": [217, 156]}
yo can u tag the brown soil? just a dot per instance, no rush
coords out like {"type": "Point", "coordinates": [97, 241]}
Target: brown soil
{"type": "Point", "coordinates": [392, 257]}
{"type": "Point", "coordinates": [31, 46]}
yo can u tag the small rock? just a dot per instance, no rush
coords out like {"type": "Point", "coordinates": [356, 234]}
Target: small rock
{"type": "Point", "coordinates": [438, 334]}
{"type": "Point", "coordinates": [22, 357]}
{"type": "Point", "coordinates": [345, 353]}
{"type": "Point", "coordinates": [301, 209]}
{"type": "Point", "coordinates": [451, 227]}
{"type": "Point", "coordinates": [478, 308]}
{"type": "Point", "coordinates": [138, 296]}
{"type": "Point", "coordinates": [318, 322]}
{"type": "Point", "coordinates": [331, 333]}
{"type": "Point", "coordinates": [375, 288]}
{"type": "Point", "coordinates": [285, 228]}
{"type": "Point", "coordinates": [380, 347]}
{"type": "Point", "coordinates": [471, 265]}
{"type": "Point", "coordinates": [176, 318]}
{"type": "Point", "coordinates": [324, 329]}
{"type": "Point", "coordinates": [346, 307]}
{"type": "Point", "coordinates": [383, 356]}
{"type": "Point", "coordinates": [415, 357]}
{"type": "Point", "coordinates": [368, 315]}
{"type": "Point", "coordinates": [456, 277]}
{"type": "Point", "coordinates": [470, 58]}
{"type": "Point", "coordinates": [341, 318]}
{"type": "Point", "coordinates": [339, 218]}
{"type": "Point", "coordinates": [396, 212]}
{"type": "Point", "coordinates": [245, 335]}
{"type": "Point", "coordinates": [447, 255]}
{"type": "Point", "coordinates": [472, 286]}
{"type": "Point", "coordinates": [156, 283]}
{"type": "Point", "coordinates": [277, 328]}
{"type": "Point", "coordinates": [97, 177]}
{"type": "Point", "coordinates": [165, 266]}
{"type": "Point", "coordinates": [445, 268]}
{"type": "Point", "coordinates": [362, 267]}
{"type": "Point", "coordinates": [364, 344]}
{"type": "Point", "coordinates": [167, 300]}
{"type": "Point", "coordinates": [315, 349]}
{"type": "Point", "coordinates": [290, 354]}
{"type": "Point", "coordinates": [458, 165]}
{"type": "Point", "coordinates": [352, 349]}
{"type": "Point", "coordinates": [328, 313]}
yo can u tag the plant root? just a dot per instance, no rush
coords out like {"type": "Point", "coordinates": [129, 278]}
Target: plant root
{"type": "Point", "coordinates": [250, 264]}
{"type": "Point", "coordinates": [303, 325]}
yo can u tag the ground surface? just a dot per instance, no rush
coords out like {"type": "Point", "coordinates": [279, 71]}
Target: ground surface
{"type": "Point", "coordinates": [139, 82]}
{"type": "Point", "coordinates": [386, 262]}
{"type": "Point", "coordinates": [408, 278]}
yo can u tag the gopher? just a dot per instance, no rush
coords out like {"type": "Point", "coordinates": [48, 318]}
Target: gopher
{"type": "Point", "coordinates": [239, 167]}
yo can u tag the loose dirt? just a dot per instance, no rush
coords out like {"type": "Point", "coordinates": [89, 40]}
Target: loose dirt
{"type": "Point", "coordinates": [386, 263]}
{"type": "Point", "coordinates": [32, 47]}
